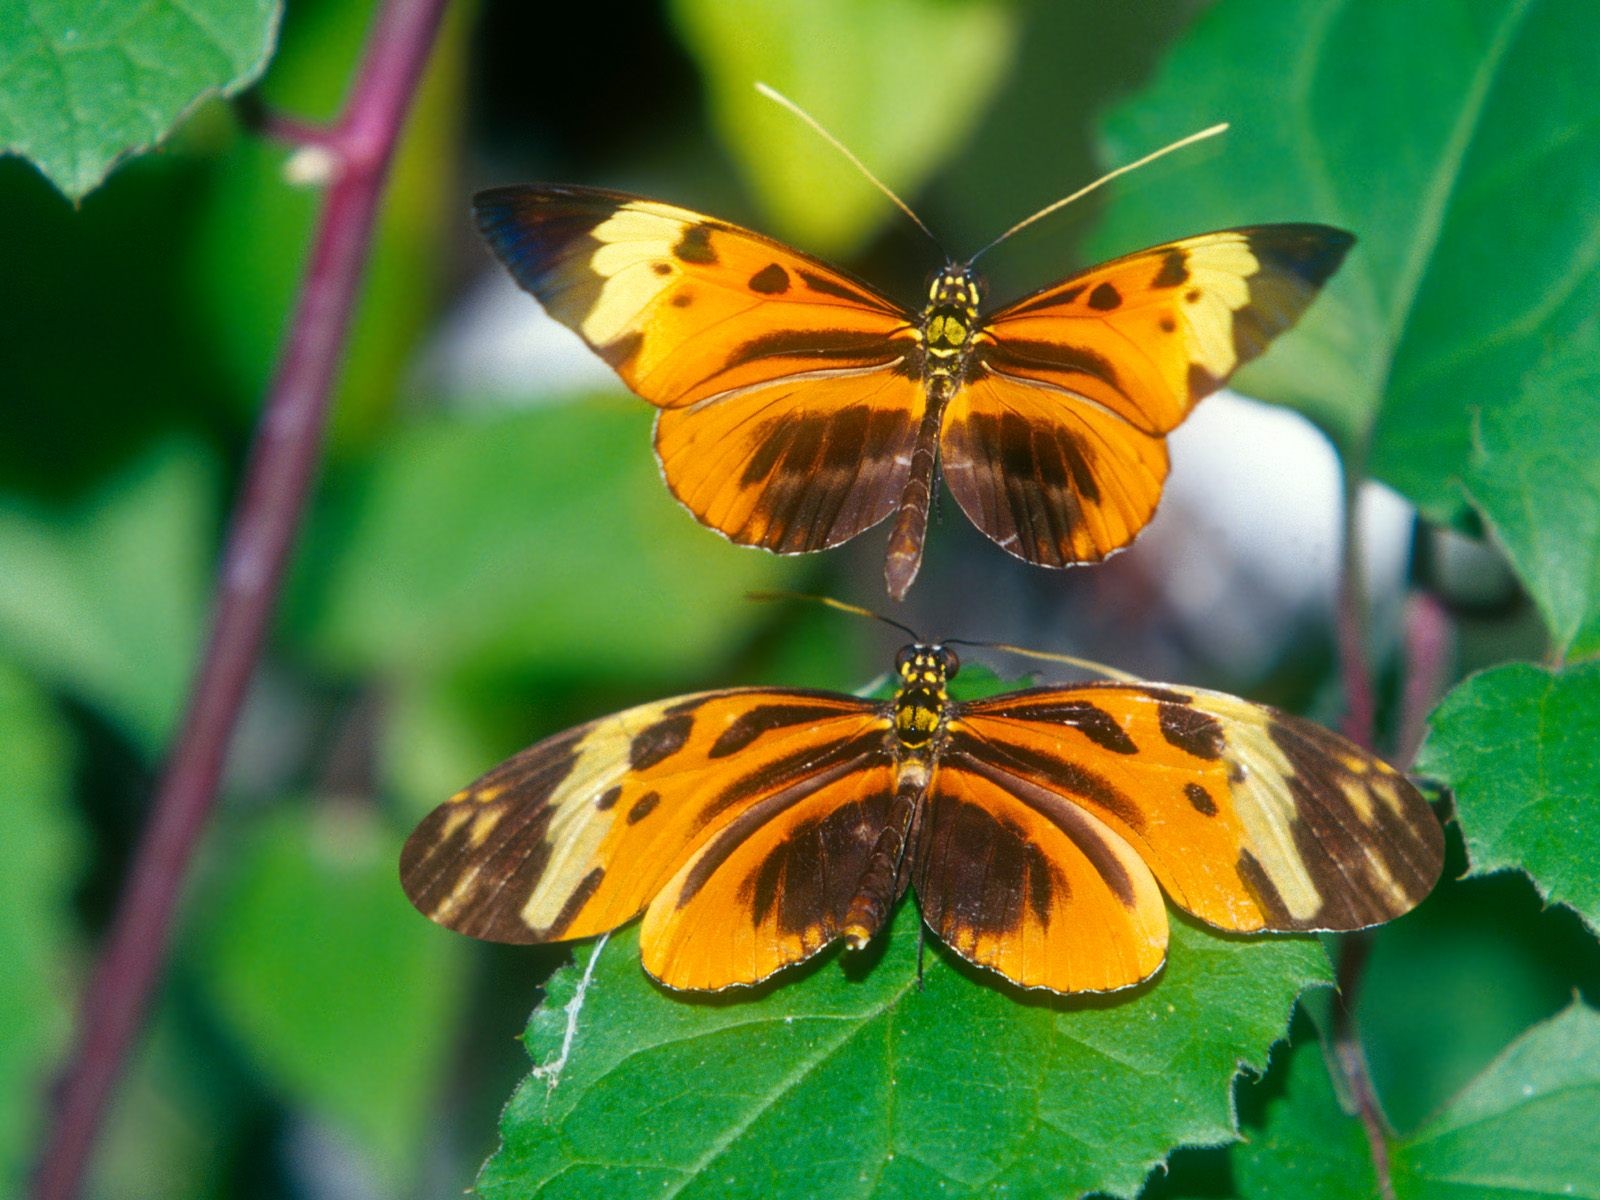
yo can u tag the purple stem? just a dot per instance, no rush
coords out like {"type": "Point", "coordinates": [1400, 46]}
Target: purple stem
{"type": "Point", "coordinates": [1426, 644]}
{"type": "Point", "coordinates": [1427, 641]}
{"type": "Point", "coordinates": [283, 463]}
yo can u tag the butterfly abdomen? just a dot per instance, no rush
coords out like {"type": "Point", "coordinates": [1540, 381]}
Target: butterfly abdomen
{"type": "Point", "coordinates": [887, 871]}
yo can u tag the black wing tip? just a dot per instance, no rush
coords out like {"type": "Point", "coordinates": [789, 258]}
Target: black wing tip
{"type": "Point", "coordinates": [1312, 252]}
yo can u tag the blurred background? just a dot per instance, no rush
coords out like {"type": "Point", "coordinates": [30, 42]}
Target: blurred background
{"type": "Point", "coordinates": [491, 555]}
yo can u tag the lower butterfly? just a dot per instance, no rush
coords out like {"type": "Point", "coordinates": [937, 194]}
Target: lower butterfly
{"type": "Point", "coordinates": [753, 827]}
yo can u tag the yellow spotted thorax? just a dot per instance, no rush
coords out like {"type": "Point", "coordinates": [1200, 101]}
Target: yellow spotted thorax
{"type": "Point", "coordinates": [950, 318]}
{"type": "Point", "coordinates": [920, 699]}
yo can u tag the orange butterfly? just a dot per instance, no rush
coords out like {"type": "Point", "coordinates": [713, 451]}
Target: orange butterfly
{"type": "Point", "coordinates": [801, 406]}
{"type": "Point", "coordinates": [754, 826]}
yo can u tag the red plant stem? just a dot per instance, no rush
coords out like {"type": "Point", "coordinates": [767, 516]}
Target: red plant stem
{"type": "Point", "coordinates": [1352, 1056]}
{"type": "Point", "coordinates": [283, 463]}
{"type": "Point", "coordinates": [1427, 642]}
{"type": "Point", "coordinates": [1360, 726]}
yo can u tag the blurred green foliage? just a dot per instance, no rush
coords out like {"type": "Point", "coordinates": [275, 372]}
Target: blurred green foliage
{"type": "Point", "coordinates": [481, 570]}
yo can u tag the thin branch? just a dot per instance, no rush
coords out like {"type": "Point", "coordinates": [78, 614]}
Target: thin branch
{"type": "Point", "coordinates": [1352, 1057]}
{"type": "Point", "coordinates": [267, 515]}
{"type": "Point", "coordinates": [1426, 644]}
{"type": "Point", "coordinates": [295, 132]}
{"type": "Point", "coordinates": [1427, 651]}
{"type": "Point", "coordinates": [1360, 726]}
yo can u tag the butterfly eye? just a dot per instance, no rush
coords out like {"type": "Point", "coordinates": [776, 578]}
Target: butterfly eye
{"type": "Point", "coordinates": [951, 661]}
{"type": "Point", "coordinates": [904, 659]}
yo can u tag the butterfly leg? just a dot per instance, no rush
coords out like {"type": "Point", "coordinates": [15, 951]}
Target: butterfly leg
{"type": "Point", "coordinates": [886, 876]}
{"type": "Point", "coordinates": [911, 526]}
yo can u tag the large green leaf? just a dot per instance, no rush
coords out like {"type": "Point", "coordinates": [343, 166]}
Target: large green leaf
{"type": "Point", "coordinates": [849, 1080]}
{"type": "Point", "coordinates": [866, 69]}
{"type": "Point", "coordinates": [41, 842]}
{"type": "Point", "coordinates": [1427, 129]}
{"type": "Point", "coordinates": [85, 82]}
{"type": "Point", "coordinates": [1535, 476]}
{"type": "Point", "coordinates": [328, 978]}
{"type": "Point", "coordinates": [1526, 1127]}
{"type": "Point", "coordinates": [106, 600]}
{"type": "Point", "coordinates": [545, 538]}
{"type": "Point", "coordinates": [1520, 746]}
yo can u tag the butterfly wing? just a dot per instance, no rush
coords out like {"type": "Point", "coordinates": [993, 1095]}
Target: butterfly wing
{"type": "Point", "coordinates": [789, 412]}
{"type": "Point", "coordinates": [1055, 449]}
{"type": "Point", "coordinates": [1037, 890]}
{"type": "Point", "coordinates": [775, 885]}
{"type": "Point", "coordinates": [1250, 818]}
{"type": "Point", "coordinates": [579, 833]}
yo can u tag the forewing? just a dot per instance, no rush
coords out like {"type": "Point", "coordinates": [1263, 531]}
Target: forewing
{"type": "Point", "coordinates": [1051, 480]}
{"type": "Point", "coordinates": [1041, 892]}
{"type": "Point", "coordinates": [683, 306]}
{"type": "Point", "coordinates": [1149, 334]}
{"type": "Point", "coordinates": [575, 835]}
{"type": "Point", "coordinates": [774, 886]}
{"type": "Point", "coordinates": [1250, 818]}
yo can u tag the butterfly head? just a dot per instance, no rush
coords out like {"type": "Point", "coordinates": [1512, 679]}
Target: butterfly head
{"type": "Point", "coordinates": [920, 699]}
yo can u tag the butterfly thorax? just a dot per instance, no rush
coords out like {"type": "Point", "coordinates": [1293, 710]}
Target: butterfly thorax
{"type": "Point", "coordinates": [921, 701]}
{"type": "Point", "coordinates": [949, 320]}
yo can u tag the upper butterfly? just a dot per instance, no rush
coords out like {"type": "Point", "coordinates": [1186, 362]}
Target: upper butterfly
{"type": "Point", "coordinates": [801, 406]}
{"type": "Point", "coordinates": [754, 826]}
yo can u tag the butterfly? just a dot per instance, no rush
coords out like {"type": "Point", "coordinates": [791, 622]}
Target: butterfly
{"type": "Point", "coordinates": [800, 406]}
{"type": "Point", "coordinates": [753, 827]}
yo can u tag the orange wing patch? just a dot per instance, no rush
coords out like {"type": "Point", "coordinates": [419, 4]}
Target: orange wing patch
{"type": "Point", "coordinates": [1250, 818]}
{"type": "Point", "coordinates": [773, 887]}
{"type": "Point", "coordinates": [576, 834]}
{"type": "Point", "coordinates": [1041, 892]}
{"type": "Point", "coordinates": [1148, 335]}
{"type": "Point", "coordinates": [797, 464]}
{"type": "Point", "coordinates": [1051, 478]}
{"type": "Point", "coordinates": [686, 308]}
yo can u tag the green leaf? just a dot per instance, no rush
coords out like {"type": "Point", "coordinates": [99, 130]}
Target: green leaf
{"type": "Point", "coordinates": [864, 69]}
{"type": "Point", "coordinates": [83, 83]}
{"type": "Point", "coordinates": [1310, 1148]}
{"type": "Point", "coordinates": [1458, 284]}
{"type": "Point", "coordinates": [1520, 747]}
{"type": "Point", "coordinates": [1535, 476]}
{"type": "Point", "coordinates": [1525, 1127]}
{"type": "Point", "coordinates": [848, 1080]}
{"type": "Point", "coordinates": [106, 601]}
{"type": "Point", "coordinates": [541, 539]}
{"type": "Point", "coordinates": [36, 924]}
{"type": "Point", "coordinates": [333, 985]}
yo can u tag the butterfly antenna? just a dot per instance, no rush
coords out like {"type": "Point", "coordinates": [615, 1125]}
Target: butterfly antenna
{"type": "Point", "coordinates": [777, 97]}
{"type": "Point", "coordinates": [829, 602]}
{"type": "Point", "coordinates": [1072, 660]}
{"type": "Point", "coordinates": [1101, 182]}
